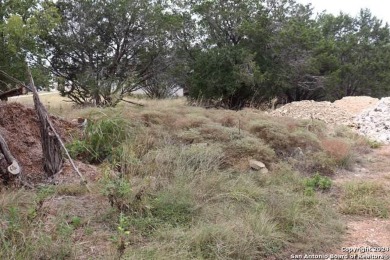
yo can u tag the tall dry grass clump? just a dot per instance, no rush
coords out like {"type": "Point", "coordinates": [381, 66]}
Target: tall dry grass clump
{"type": "Point", "coordinates": [340, 150]}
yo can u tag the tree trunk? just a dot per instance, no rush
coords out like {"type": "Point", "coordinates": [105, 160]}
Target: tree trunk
{"type": "Point", "coordinates": [51, 146]}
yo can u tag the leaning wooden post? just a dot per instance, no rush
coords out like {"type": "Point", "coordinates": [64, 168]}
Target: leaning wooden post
{"type": "Point", "coordinates": [51, 140]}
{"type": "Point", "coordinates": [51, 146]}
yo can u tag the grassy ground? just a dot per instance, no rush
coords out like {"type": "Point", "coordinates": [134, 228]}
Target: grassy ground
{"type": "Point", "coordinates": [54, 103]}
{"type": "Point", "coordinates": [175, 183]}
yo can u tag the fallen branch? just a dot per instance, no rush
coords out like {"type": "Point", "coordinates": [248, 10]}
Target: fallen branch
{"type": "Point", "coordinates": [134, 103]}
{"type": "Point", "coordinates": [13, 167]}
{"type": "Point", "coordinates": [15, 80]}
{"type": "Point", "coordinates": [10, 93]}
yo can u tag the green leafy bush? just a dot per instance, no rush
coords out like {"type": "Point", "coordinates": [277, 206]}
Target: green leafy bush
{"type": "Point", "coordinates": [317, 182]}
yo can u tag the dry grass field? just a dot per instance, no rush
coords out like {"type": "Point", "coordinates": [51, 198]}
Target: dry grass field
{"type": "Point", "coordinates": [174, 182]}
{"type": "Point", "coordinates": [54, 103]}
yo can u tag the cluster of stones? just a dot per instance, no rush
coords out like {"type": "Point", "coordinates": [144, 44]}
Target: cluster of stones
{"type": "Point", "coordinates": [369, 116]}
{"type": "Point", "coordinates": [375, 122]}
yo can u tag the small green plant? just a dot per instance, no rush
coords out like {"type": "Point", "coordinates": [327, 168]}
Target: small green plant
{"type": "Point", "coordinates": [64, 229]}
{"type": "Point", "coordinates": [119, 193]}
{"type": "Point", "coordinates": [374, 144]}
{"type": "Point", "coordinates": [309, 191]}
{"type": "Point", "coordinates": [76, 221]}
{"type": "Point", "coordinates": [45, 192]}
{"type": "Point", "coordinates": [317, 182]}
{"type": "Point", "coordinates": [13, 225]}
{"type": "Point", "coordinates": [77, 148]}
{"type": "Point", "coordinates": [171, 210]}
{"type": "Point", "coordinates": [123, 233]}
{"type": "Point", "coordinates": [123, 224]}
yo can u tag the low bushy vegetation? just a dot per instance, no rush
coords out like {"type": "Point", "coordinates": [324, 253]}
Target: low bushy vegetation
{"type": "Point", "coordinates": [177, 184]}
{"type": "Point", "coordinates": [317, 182]}
{"type": "Point", "coordinates": [365, 198]}
{"type": "Point", "coordinates": [22, 233]}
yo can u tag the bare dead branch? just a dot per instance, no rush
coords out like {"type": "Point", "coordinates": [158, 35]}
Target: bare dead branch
{"type": "Point", "coordinates": [15, 80]}
{"type": "Point", "coordinates": [134, 103]}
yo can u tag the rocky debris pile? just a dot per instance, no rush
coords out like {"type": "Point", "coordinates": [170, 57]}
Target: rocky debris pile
{"type": "Point", "coordinates": [370, 116]}
{"type": "Point", "coordinates": [375, 122]}
{"type": "Point", "coordinates": [356, 105]}
{"type": "Point", "coordinates": [309, 109]}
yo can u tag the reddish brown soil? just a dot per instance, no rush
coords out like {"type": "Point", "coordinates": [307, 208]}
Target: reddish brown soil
{"type": "Point", "coordinates": [364, 232]}
{"type": "Point", "coordinates": [20, 128]}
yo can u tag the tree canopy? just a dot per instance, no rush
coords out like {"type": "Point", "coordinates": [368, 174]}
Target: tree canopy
{"type": "Point", "coordinates": [21, 24]}
{"type": "Point", "coordinates": [227, 52]}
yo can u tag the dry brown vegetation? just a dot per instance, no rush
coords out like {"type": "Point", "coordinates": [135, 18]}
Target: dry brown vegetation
{"type": "Point", "coordinates": [175, 182]}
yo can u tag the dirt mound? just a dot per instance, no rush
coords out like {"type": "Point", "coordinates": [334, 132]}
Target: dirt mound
{"type": "Point", "coordinates": [20, 128]}
{"type": "Point", "coordinates": [324, 111]}
{"type": "Point", "coordinates": [369, 116]}
{"type": "Point", "coordinates": [342, 111]}
{"type": "Point", "coordinates": [356, 105]}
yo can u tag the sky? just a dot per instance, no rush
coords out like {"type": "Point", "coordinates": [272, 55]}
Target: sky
{"type": "Point", "coordinates": [379, 8]}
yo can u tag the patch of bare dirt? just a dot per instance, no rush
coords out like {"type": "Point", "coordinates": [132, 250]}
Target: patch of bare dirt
{"type": "Point", "coordinates": [68, 175]}
{"type": "Point", "coordinates": [92, 235]}
{"type": "Point", "coordinates": [374, 166]}
{"type": "Point", "coordinates": [368, 232]}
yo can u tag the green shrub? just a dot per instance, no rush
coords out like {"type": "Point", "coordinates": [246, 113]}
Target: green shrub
{"type": "Point", "coordinates": [45, 192]}
{"type": "Point", "coordinates": [119, 192]}
{"type": "Point", "coordinates": [249, 147]}
{"type": "Point", "coordinates": [102, 140]}
{"type": "Point", "coordinates": [273, 133]}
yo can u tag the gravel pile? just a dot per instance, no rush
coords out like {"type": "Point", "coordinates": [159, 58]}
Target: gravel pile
{"type": "Point", "coordinates": [324, 111]}
{"type": "Point", "coordinates": [375, 122]}
{"type": "Point", "coordinates": [356, 105]}
{"type": "Point", "coordinates": [369, 116]}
